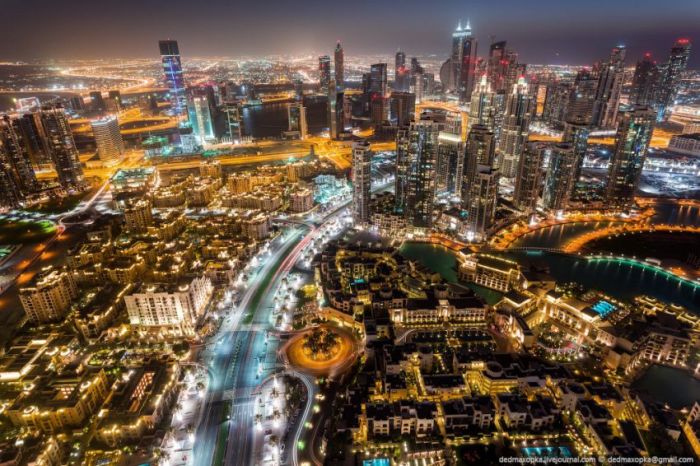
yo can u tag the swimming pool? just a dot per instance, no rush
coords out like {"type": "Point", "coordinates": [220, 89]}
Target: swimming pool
{"type": "Point", "coordinates": [603, 308]}
{"type": "Point", "coordinates": [547, 452]}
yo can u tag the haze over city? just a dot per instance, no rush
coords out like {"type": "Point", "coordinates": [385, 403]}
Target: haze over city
{"type": "Point", "coordinates": [389, 233]}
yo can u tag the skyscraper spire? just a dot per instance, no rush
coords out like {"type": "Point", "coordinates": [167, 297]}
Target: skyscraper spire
{"type": "Point", "coordinates": [468, 27]}
{"type": "Point", "coordinates": [459, 25]}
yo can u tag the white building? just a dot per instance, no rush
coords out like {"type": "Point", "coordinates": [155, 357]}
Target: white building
{"type": "Point", "coordinates": [108, 139]}
{"type": "Point", "coordinates": [49, 296]}
{"type": "Point", "coordinates": [174, 308]}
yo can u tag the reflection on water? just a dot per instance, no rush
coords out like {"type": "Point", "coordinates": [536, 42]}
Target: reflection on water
{"type": "Point", "coordinates": [270, 120]}
{"type": "Point", "coordinates": [558, 235]}
{"type": "Point", "coordinates": [621, 280]}
{"type": "Point", "coordinates": [674, 214]}
{"type": "Point", "coordinates": [443, 261]}
{"type": "Point", "coordinates": [657, 380]}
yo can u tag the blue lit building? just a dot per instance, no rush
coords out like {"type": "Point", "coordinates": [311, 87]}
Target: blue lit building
{"type": "Point", "coordinates": [172, 71]}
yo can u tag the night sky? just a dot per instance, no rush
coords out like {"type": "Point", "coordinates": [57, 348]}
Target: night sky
{"type": "Point", "coordinates": [544, 31]}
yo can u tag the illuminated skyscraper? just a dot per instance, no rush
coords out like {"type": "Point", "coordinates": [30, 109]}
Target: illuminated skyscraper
{"type": "Point", "coordinates": [631, 143]}
{"type": "Point", "coordinates": [416, 159]}
{"type": "Point", "coordinates": [361, 181]}
{"type": "Point", "coordinates": [64, 153]}
{"type": "Point", "coordinates": [402, 75]}
{"type": "Point", "coordinates": [482, 109]}
{"type": "Point", "coordinates": [15, 155]}
{"type": "Point", "coordinates": [336, 122]}
{"type": "Point", "coordinates": [497, 66]}
{"type": "Point", "coordinates": [582, 98]}
{"type": "Point", "coordinates": [483, 196]}
{"type": "Point", "coordinates": [324, 73]}
{"type": "Point", "coordinates": [199, 105]}
{"type": "Point", "coordinates": [529, 176]}
{"type": "Point", "coordinates": [379, 103]}
{"type": "Point", "coordinates": [480, 149]}
{"type": "Point", "coordinates": [577, 134]}
{"type": "Point", "coordinates": [234, 121]}
{"type": "Point", "coordinates": [516, 124]}
{"type": "Point", "coordinates": [339, 67]}
{"type": "Point", "coordinates": [35, 140]}
{"type": "Point", "coordinates": [463, 61]}
{"type": "Point", "coordinates": [172, 72]}
{"type": "Point", "coordinates": [559, 182]}
{"type": "Point", "coordinates": [645, 82]}
{"type": "Point", "coordinates": [108, 139]}
{"type": "Point", "coordinates": [609, 88]}
{"type": "Point", "coordinates": [450, 159]}
{"type": "Point", "coordinates": [677, 63]}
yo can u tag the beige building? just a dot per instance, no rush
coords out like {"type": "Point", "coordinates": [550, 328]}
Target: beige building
{"type": "Point", "coordinates": [49, 296]}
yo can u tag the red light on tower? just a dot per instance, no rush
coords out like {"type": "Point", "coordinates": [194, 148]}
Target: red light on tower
{"type": "Point", "coordinates": [683, 41]}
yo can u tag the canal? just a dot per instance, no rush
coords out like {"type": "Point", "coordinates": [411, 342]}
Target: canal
{"type": "Point", "coordinates": [657, 380]}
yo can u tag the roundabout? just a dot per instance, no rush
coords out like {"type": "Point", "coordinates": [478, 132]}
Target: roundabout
{"type": "Point", "coordinates": [323, 350]}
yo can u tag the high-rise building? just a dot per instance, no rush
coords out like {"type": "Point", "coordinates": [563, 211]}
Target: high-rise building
{"type": "Point", "coordinates": [631, 143]}
{"type": "Point", "coordinates": [416, 159]}
{"type": "Point", "coordinates": [516, 124]}
{"type": "Point", "coordinates": [15, 156]}
{"type": "Point", "coordinates": [582, 98]}
{"type": "Point", "coordinates": [559, 181]}
{"type": "Point", "coordinates": [450, 159]}
{"type": "Point", "coordinates": [361, 181]}
{"type": "Point", "coordinates": [645, 82]}
{"type": "Point", "coordinates": [577, 134]}
{"type": "Point", "coordinates": [479, 149]}
{"type": "Point", "coordinates": [483, 196]}
{"type": "Point", "coordinates": [324, 73]}
{"type": "Point", "coordinates": [378, 79]}
{"type": "Point", "coordinates": [35, 140]}
{"type": "Point", "coordinates": [403, 107]}
{"type": "Point", "coordinates": [463, 60]}
{"type": "Point", "coordinates": [173, 77]}
{"type": "Point", "coordinates": [673, 71]}
{"type": "Point", "coordinates": [609, 89]}
{"type": "Point", "coordinates": [556, 103]}
{"type": "Point", "coordinates": [529, 177]}
{"type": "Point", "coordinates": [97, 102]}
{"type": "Point", "coordinates": [497, 65]}
{"type": "Point", "coordinates": [108, 139]}
{"type": "Point", "coordinates": [199, 106]}
{"type": "Point", "coordinates": [339, 67]}
{"type": "Point", "coordinates": [233, 121]}
{"type": "Point", "coordinates": [402, 76]}
{"type": "Point", "coordinates": [10, 194]}
{"type": "Point", "coordinates": [482, 109]}
{"type": "Point", "coordinates": [62, 148]}
{"type": "Point", "coordinates": [296, 115]}
{"type": "Point", "coordinates": [336, 123]}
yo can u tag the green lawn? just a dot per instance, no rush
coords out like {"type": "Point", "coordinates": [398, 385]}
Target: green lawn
{"type": "Point", "coordinates": [25, 231]}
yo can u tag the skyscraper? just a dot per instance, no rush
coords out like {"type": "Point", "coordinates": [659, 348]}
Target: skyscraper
{"type": "Point", "coordinates": [529, 176]}
{"type": "Point", "coordinates": [324, 73]}
{"type": "Point", "coordinates": [296, 115]}
{"type": "Point", "coordinates": [480, 149]}
{"type": "Point", "coordinates": [609, 88]}
{"type": "Point", "coordinates": [450, 159]}
{"type": "Point", "coordinates": [339, 67]}
{"type": "Point", "coordinates": [172, 72]}
{"type": "Point", "coordinates": [516, 124]}
{"type": "Point", "coordinates": [416, 159]}
{"type": "Point", "coordinates": [645, 82]}
{"type": "Point", "coordinates": [463, 60]}
{"type": "Point", "coordinates": [336, 123]}
{"type": "Point", "coordinates": [577, 134]}
{"type": "Point", "coordinates": [497, 65]}
{"type": "Point", "coordinates": [379, 104]}
{"type": "Point", "coordinates": [677, 63]}
{"type": "Point", "coordinates": [64, 153]}
{"type": "Point", "coordinates": [582, 98]}
{"type": "Point", "coordinates": [199, 106]}
{"type": "Point", "coordinates": [16, 156]}
{"type": "Point", "coordinates": [233, 121]}
{"type": "Point", "coordinates": [361, 181]}
{"type": "Point", "coordinates": [108, 139]}
{"type": "Point", "coordinates": [35, 140]}
{"type": "Point", "coordinates": [402, 77]}
{"type": "Point", "coordinates": [631, 143]}
{"type": "Point", "coordinates": [403, 107]}
{"type": "Point", "coordinates": [482, 109]}
{"type": "Point", "coordinates": [559, 182]}
{"type": "Point", "coordinates": [483, 196]}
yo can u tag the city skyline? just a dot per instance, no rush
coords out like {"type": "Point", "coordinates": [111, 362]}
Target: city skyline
{"type": "Point", "coordinates": [205, 31]}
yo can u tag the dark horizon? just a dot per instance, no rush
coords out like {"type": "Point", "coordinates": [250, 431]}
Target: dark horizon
{"type": "Point", "coordinates": [546, 33]}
